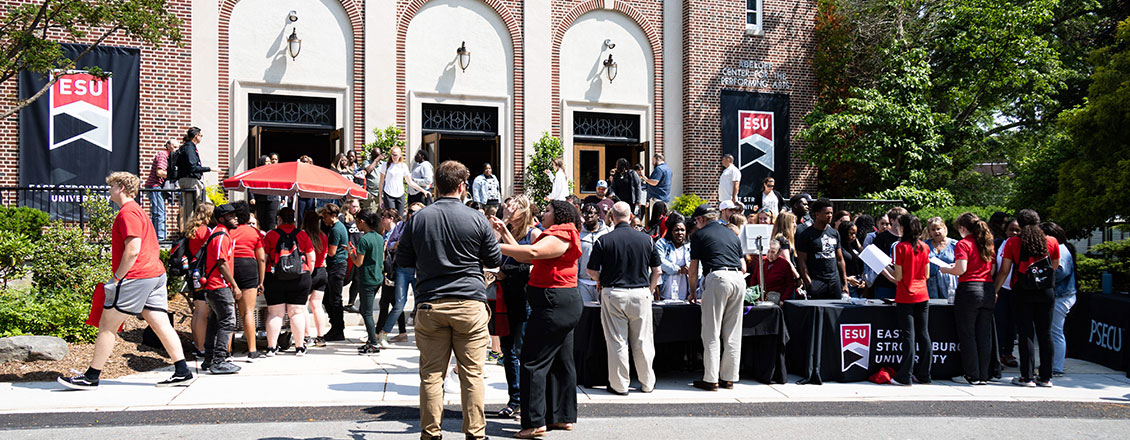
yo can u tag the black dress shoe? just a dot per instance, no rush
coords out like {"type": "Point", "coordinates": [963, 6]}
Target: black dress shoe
{"type": "Point", "coordinates": [708, 386]}
{"type": "Point", "coordinates": [334, 337]}
{"type": "Point", "coordinates": [729, 385]}
{"type": "Point", "coordinates": [618, 393]}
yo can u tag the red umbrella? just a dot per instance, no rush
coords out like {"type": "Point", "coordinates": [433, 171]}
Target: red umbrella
{"type": "Point", "coordinates": [295, 178]}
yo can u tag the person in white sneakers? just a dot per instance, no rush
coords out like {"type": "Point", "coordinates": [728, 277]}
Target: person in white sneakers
{"type": "Point", "coordinates": [137, 287]}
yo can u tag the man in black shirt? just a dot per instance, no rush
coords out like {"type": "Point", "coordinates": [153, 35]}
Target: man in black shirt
{"type": "Point", "coordinates": [819, 258]}
{"type": "Point", "coordinates": [620, 260]}
{"type": "Point", "coordinates": [719, 252]}
{"type": "Point", "coordinates": [449, 244]}
{"type": "Point", "coordinates": [885, 241]}
{"type": "Point", "coordinates": [799, 205]}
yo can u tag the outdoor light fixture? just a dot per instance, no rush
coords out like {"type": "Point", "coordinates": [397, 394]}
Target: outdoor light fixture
{"type": "Point", "coordinates": [464, 56]}
{"type": "Point", "coordinates": [610, 68]}
{"type": "Point", "coordinates": [609, 44]}
{"type": "Point", "coordinates": [292, 17]}
{"type": "Point", "coordinates": [293, 44]}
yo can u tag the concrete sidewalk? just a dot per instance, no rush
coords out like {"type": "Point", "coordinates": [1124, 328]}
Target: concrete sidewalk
{"type": "Point", "coordinates": [337, 376]}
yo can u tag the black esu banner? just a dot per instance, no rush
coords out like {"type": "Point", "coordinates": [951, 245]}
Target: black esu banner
{"type": "Point", "coordinates": [81, 130]}
{"type": "Point", "coordinates": [755, 130]}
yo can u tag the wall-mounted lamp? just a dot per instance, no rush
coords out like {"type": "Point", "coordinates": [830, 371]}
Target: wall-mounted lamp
{"type": "Point", "coordinates": [610, 68]}
{"type": "Point", "coordinates": [293, 44]}
{"type": "Point", "coordinates": [464, 56]}
{"type": "Point", "coordinates": [292, 16]}
{"type": "Point", "coordinates": [609, 44]}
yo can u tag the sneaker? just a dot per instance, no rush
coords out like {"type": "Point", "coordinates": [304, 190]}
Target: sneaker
{"type": "Point", "coordinates": [199, 354]}
{"type": "Point", "coordinates": [254, 355]}
{"type": "Point", "coordinates": [308, 341]}
{"type": "Point", "coordinates": [271, 352]}
{"type": "Point", "coordinates": [915, 379]}
{"type": "Point", "coordinates": [368, 349]}
{"type": "Point", "coordinates": [970, 380]}
{"type": "Point", "coordinates": [1021, 382]}
{"type": "Point", "coordinates": [493, 356]}
{"type": "Point", "coordinates": [80, 382]}
{"type": "Point", "coordinates": [1057, 374]}
{"type": "Point", "coordinates": [300, 351]}
{"type": "Point", "coordinates": [981, 382]}
{"type": "Point", "coordinates": [382, 340]}
{"type": "Point", "coordinates": [206, 364]}
{"type": "Point", "coordinates": [177, 380]}
{"type": "Point", "coordinates": [399, 338]}
{"type": "Point", "coordinates": [1043, 383]}
{"type": "Point", "coordinates": [1010, 361]}
{"type": "Point", "coordinates": [319, 341]}
{"type": "Point", "coordinates": [334, 337]}
{"type": "Point", "coordinates": [899, 383]}
{"type": "Point", "coordinates": [224, 367]}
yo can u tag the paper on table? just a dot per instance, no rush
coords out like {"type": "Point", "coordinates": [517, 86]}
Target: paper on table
{"type": "Point", "coordinates": [874, 258]}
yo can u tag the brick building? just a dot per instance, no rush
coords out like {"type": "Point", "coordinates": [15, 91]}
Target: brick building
{"type": "Point", "coordinates": [687, 75]}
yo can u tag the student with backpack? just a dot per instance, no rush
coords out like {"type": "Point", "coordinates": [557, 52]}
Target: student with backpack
{"type": "Point", "coordinates": [1032, 258]}
{"type": "Point", "coordinates": [290, 260]}
{"type": "Point", "coordinates": [217, 279]}
{"type": "Point", "coordinates": [195, 232]}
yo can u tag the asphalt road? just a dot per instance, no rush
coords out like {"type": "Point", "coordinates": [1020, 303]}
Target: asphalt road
{"type": "Point", "coordinates": [657, 421]}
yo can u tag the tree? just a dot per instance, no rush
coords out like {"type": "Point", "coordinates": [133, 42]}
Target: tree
{"type": "Point", "coordinates": [31, 33]}
{"type": "Point", "coordinates": [926, 87]}
{"type": "Point", "coordinates": [538, 183]}
{"type": "Point", "coordinates": [1094, 182]}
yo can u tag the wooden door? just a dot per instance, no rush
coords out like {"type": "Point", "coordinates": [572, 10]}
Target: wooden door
{"type": "Point", "coordinates": [431, 145]}
{"type": "Point", "coordinates": [588, 168]}
{"type": "Point", "coordinates": [254, 145]}
{"type": "Point", "coordinates": [337, 138]}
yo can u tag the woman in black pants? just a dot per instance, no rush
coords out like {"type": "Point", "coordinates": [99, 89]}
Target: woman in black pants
{"type": "Point", "coordinates": [909, 271]}
{"type": "Point", "coordinates": [973, 302]}
{"type": "Point", "coordinates": [1033, 301]}
{"type": "Point", "coordinates": [549, 378]}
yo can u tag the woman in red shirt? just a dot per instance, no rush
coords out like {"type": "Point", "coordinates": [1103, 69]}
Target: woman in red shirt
{"type": "Point", "coordinates": [250, 265]}
{"type": "Point", "coordinates": [287, 296]}
{"type": "Point", "coordinates": [973, 302]}
{"type": "Point", "coordinates": [909, 271]}
{"type": "Point", "coordinates": [778, 273]}
{"type": "Point", "coordinates": [555, 304]}
{"type": "Point", "coordinates": [1031, 306]}
{"type": "Point", "coordinates": [312, 225]}
{"type": "Point", "coordinates": [197, 229]}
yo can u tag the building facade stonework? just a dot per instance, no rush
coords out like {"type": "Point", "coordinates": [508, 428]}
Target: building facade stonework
{"type": "Point", "coordinates": [535, 66]}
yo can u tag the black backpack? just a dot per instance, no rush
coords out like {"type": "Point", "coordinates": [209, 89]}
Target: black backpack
{"type": "Point", "coordinates": [172, 173]}
{"type": "Point", "coordinates": [180, 260]}
{"type": "Point", "coordinates": [1040, 274]}
{"type": "Point", "coordinates": [197, 267]}
{"type": "Point", "coordinates": [289, 264]}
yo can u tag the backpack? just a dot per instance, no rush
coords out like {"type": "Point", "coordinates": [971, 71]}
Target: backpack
{"type": "Point", "coordinates": [172, 173]}
{"type": "Point", "coordinates": [197, 267]}
{"type": "Point", "coordinates": [180, 259]}
{"type": "Point", "coordinates": [1040, 275]}
{"type": "Point", "coordinates": [289, 264]}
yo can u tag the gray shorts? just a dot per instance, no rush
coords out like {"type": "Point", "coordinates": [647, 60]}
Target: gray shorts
{"type": "Point", "coordinates": [131, 296]}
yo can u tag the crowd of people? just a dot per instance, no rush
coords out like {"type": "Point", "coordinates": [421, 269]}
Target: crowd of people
{"type": "Point", "coordinates": [478, 266]}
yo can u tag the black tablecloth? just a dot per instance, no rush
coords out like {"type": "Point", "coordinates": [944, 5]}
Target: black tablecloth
{"type": "Point", "coordinates": [833, 340]}
{"type": "Point", "coordinates": [1095, 329]}
{"type": "Point", "coordinates": [763, 340]}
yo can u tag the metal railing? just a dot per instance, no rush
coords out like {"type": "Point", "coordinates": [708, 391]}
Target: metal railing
{"type": "Point", "coordinates": [65, 202]}
{"type": "Point", "coordinates": [874, 208]}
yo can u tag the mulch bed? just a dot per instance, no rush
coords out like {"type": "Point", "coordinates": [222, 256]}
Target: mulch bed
{"type": "Point", "coordinates": [129, 355]}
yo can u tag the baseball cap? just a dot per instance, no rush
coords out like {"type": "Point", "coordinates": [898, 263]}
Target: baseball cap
{"type": "Point", "coordinates": [702, 210]}
{"type": "Point", "coordinates": [726, 204]}
{"type": "Point", "coordinates": [223, 210]}
{"type": "Point", "coordinates": [601, 184]}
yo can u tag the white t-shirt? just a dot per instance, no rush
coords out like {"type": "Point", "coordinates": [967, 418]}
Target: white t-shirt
{"type": "Point", "coordinates": [394, 178]}
{"type": "Point", "coordinates": [770, 201]}
{"type": "Point", "coordinates": [560, 186]}
{"type": "Point", "coordinates": [726, 183]}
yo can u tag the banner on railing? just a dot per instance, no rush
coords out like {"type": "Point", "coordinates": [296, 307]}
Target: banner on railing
{"type": "Point", "coordinates": [81, 130]}
{"type": "Point", "coordinates": [755, 130]}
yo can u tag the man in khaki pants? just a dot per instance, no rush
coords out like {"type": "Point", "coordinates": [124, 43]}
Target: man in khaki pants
{"type": "Point", "coordinates": [449, 244]}
{"type": "Point", "coordinates": [717, 250]}
{"type": "Point", "coordinates": [621, 261]}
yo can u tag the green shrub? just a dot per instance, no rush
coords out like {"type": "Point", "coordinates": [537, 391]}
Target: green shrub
{"type": "Point", "coordinates": [914, 198]}
{"type": "Point", "coordinates": [175, 283]}
{"type": "Point", "coordinates": [15, 248]}
{"type": "Point", "coordinates": [951, 213]}
{"type": "Point", "coordinates": [686, 203]}
{"type": "Point", "coordinates": [63, 260]}
{"type": "Point", "coordinates": [62, 314]}
{"type": "Point", "coordinates": [1114, 257]}
{"type": "Point", "coordinates": [384, 139]}
{"type": "Point", "coordinates": [99, 216]}
{"type": "Point", "coordinates": [25, 221]}
{"type": "Point", "coordinates": [538, 183]}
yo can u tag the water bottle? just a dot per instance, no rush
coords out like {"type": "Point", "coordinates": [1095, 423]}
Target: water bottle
{"type": "Point", "coordinates": [184, 263]}
{"type": "Point", "coordinates": [196, 279]}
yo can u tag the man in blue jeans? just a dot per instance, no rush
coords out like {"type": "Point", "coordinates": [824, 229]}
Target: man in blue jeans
{"type": "Point", "coordinates": [158, 171]}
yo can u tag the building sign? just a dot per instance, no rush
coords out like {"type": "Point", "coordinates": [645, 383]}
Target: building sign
{"type": "Point", "coordinates": [755, 130]}
{"type": "Point", "coordinates": [755, 74]}
{"type": "Point", "coordinates": [83, 130]}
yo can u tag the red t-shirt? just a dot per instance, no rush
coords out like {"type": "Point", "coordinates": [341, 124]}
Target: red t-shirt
{"type": "Point", "coordinates": [976, 268]}
{"type": "Point", "coordinates": [321, 256]}
{"type": "Point", "coordinates": [560, 271]}
{"type": "Point", "coordinates": [199, 236]}
{"type": "Point", "coordinates": [247, 240]}
{"type": "Point", "coordinates": [271, 241]}
{"type": "Point", "coordinates": [912, 288]}
{"type": "Point", "coordinates": [131, 221]}
{"type": "Point", "coordinates": [220, 251]}
{"type": "Point", "coordinates": [1012, 252]}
